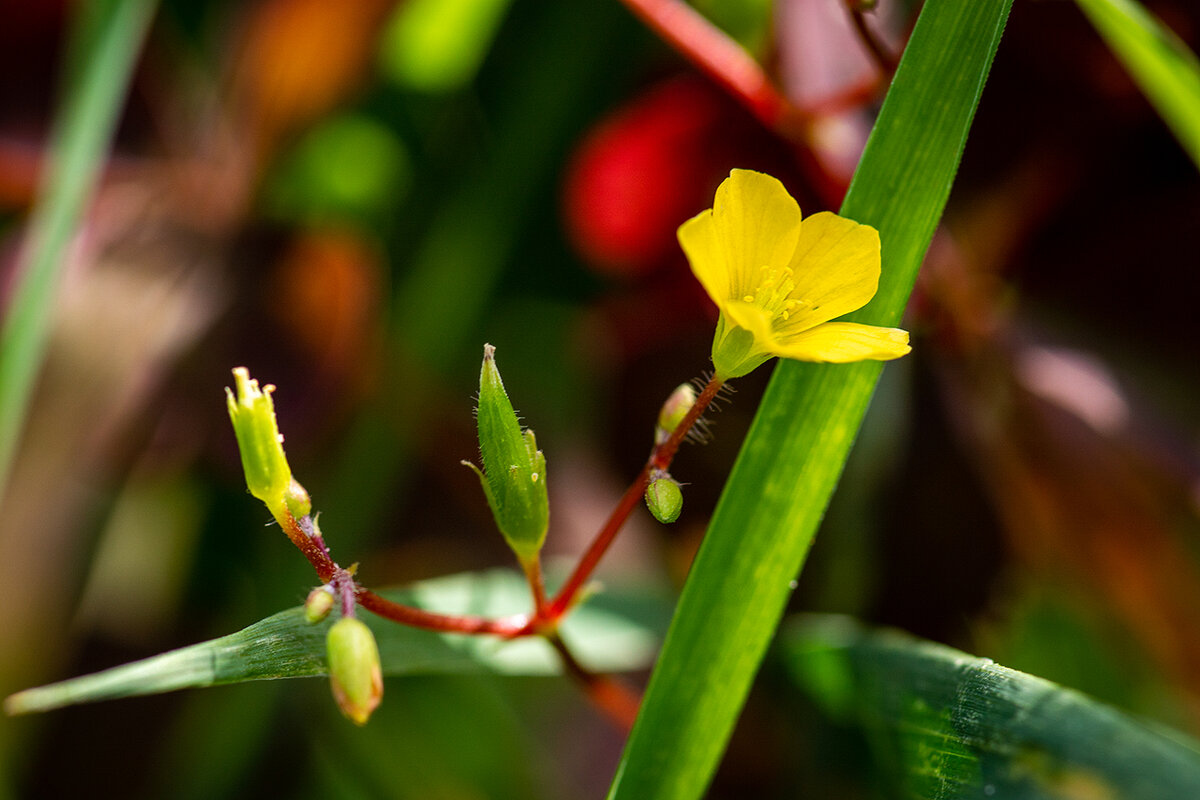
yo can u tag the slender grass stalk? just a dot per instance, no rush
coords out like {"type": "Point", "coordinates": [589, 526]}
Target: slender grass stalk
{"type": "Point", "coordinates": [1161, 64]}
{"type": "Point", "coordinates": [105, 41]}
{"type": "Point", "coordinates": [795, 451]}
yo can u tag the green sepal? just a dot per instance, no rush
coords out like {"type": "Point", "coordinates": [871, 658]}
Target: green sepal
{"type": "Point", "coordinates": [735, 352]}
{"type": "Point", "coordinates": [514, 470]}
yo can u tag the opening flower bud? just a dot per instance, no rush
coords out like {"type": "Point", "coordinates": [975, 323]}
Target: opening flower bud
{"type": "Point", "coordinates": [354, 671]}
{"type": "Point", "coordinates": [514, 470]}
{"type": "Point", "coordinates": [674, 410]}
{"type": "Point", "coordinates": [268, 476]}
{"type": "Point", "coordinates": [664, 498]}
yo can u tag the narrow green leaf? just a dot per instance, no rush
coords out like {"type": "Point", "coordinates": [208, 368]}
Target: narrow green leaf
{"type": "Point", "coordinates": [794, 453]}
{"type": "Point", "coordinates": [1165, 69]}
{"type": "Point", "coordinates": [285, 646]}
{"type": "Point", "coordinates": [105, 43]}
{"type": "Point", "coordinates": [955, 726]}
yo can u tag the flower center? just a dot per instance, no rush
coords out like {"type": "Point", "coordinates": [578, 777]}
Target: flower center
{"type": "Point", "coordinates": [773, 293]}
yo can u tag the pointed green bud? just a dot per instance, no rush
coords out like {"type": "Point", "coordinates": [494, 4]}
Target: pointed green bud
{"type": "Point", "coordinates": [318, 604]}
{"type": "Point", "coordinates": [664, 498]}
{"type": "Point", "coordinates": [268, 476]}
{"type": "Point", "coordinates": [354, 671]}
{"type": "Point", "coordinates": [673, 411]}
{"type": "Point", "coordinates": [514, 470]}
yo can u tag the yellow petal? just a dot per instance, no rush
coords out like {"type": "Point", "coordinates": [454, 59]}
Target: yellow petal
{"type": "Point", "coordinates": [755, 224]}
{"type": "Point", "coordinates": [698, 238]}
{"type": "Point", "coordinates": [836, 269]}
{"type": "Point", "coordinates": [843, 342]}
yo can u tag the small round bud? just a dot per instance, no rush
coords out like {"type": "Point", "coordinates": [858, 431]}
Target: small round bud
{"type": "Point", "coordinates": [674, 410]}
{"type": "Point", "coordinates": [318, 605]}
{"type": "Point", "coordinates": [354, 672]}
{"type": "Point", "coordinates": [664, 498]}
{"type": "Point", "coordinates": [299, 504]}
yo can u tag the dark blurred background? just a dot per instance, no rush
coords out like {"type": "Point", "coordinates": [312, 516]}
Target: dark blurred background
{"type": "Point", "coordinates": [351, 198]}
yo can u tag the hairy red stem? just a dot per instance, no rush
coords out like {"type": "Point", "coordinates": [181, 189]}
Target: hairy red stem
{"type": "Point", "coordinates": [660, 458]}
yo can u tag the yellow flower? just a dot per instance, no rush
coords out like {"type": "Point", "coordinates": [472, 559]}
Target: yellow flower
{"type": "Point", "coordinates": [778, 282]}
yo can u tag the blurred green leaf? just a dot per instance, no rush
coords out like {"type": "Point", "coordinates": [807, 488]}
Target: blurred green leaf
{"type": "Point", "coordinates": [105, 40]}
{"type": "Point", "coordinates": [285, 646]}
{"type": "Point", "coordinates": [1165, 69]}
{"type": "Point", "coordinates": [955, 726]}
{"type": "Point", "coordinates": [350, 165]}
{"type": "Point", "coordinates": [438, 45]}
{"type": "Point", "coordinates": [795, 451]}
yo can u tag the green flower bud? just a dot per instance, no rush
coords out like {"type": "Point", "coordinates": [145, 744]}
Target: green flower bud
{"type": "Point", "coordinates": [354, 671]}
{"type": "Point", "coordinates": [514, 470]}
{"type": "Point", "coordinates": [318, 604]}
{"type": "Point", "coordinates": [297, 500]}
{"type": "Point", "coordinates": [673, 411]}
{"type": "Point", "coordinates": [664, 498]}
{"type": "Point", "coordinates": [268, 476]}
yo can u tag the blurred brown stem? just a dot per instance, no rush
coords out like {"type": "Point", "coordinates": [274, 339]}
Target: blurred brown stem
{"type": "Point", "coordinates": [613, 699]}
{"type": "Point", "coordinates": [660, 459]}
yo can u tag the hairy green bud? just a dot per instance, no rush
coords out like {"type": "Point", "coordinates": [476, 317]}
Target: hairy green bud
{"type": "Point", "coordinates": [514, 470]}
{"type": "Point", "coordinates": [673, 411]}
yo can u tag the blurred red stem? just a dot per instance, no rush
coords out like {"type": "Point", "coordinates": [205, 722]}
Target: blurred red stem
{"type": "Point", "coordinates": [727, 63]}
{"type": "Point", "coordinates": [723, 59]}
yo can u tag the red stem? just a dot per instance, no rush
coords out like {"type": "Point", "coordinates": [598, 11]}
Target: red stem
{"type": "Point", "coordinates": [312, 547]}
{"type": "Point", "coordinates": [546, 613]}
{"type": "Point", "coordinates": [507, 627]}
{"type": "Point", "coordinates": [660, 458]}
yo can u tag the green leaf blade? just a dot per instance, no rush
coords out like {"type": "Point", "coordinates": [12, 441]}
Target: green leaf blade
{"type": "Point", "coordinates": [793, 456]}
{"type": "Point", "coordinates": [1167, 72]}
{"type": "Point", "coordinates": [284, 645]}
{"type": "Point", "coordinates": [971, 728]}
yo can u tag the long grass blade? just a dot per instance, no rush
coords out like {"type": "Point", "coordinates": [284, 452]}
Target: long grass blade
{"type": "Point", "coordinates": [107, 37]}
{"type": "Point", "coordinates": [795, 451]}
{"type": "Point", "coordinates": [1167, 72]}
